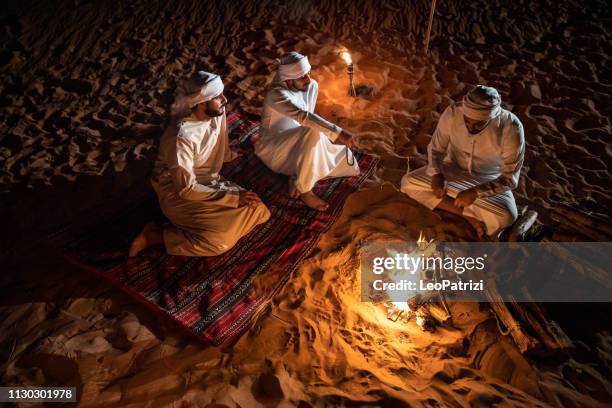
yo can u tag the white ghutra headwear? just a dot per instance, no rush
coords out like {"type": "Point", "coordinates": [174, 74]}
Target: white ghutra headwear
{"type": "Point", "coordinates": [482, 103]}
{"type": "Point", "coordinates": [293, 65]}
{"type": "Point", "coordinates": [198, 88]}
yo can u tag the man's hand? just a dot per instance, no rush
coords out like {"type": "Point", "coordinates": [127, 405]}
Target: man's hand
{"type": "Point", "coordinates": [438, 185]}
{"type": "Point", "coordinates": [346, 138]}
{"type": "Point", "coordinates": [248, 198]}
{"type": "Point", "coordinates": [465, 198]}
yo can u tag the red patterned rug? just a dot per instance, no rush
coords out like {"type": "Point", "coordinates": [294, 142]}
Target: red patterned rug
{"type": "Point", "coordinates": [215, 298]}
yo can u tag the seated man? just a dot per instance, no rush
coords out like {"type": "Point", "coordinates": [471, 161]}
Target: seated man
{"type": "Point", "coordinates": [209, 214]}
{"type": "Point", "coordinates": [475, 158]}
{"type": "Point", "coordinates": [296, 141]}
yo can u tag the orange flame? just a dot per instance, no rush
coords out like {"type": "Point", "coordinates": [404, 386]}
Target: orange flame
{"type": "Point", "coordinates": [423, 240]}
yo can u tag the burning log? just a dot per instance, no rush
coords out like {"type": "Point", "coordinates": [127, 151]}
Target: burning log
{"type": "Point", "coordinates": [425, 321]}
{"type": "Point", "coordinates": [437, 312]}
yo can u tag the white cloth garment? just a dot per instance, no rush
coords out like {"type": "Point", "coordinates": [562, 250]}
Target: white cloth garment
{"type": "Point", "coordinates": [201, 205]}
{"type": "Point", "coordinates": [296, 141]}
{"type": "Point", "coordinates": [490, 162]}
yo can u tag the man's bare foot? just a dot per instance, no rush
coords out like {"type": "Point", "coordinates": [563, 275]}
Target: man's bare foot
{"type": "Point", "coordinates": [150, 235]}
{"type": "Point", "coordinates": [311, 200]}
{"type": "Point", "coordinates": [293, 191]}
{"type": "Point", "coordinates": [478, 226]}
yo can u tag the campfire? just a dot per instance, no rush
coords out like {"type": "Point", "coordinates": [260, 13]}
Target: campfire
{"type": "Point", "coordinates": [407, 302]}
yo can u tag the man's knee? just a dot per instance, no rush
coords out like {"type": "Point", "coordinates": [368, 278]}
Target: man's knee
{"type": "Point", "coordinates": [221, 243]}
{"type": "Point", "coordinates": [262, 213]}
{"type": "Point", "coordinates": [198, 244]}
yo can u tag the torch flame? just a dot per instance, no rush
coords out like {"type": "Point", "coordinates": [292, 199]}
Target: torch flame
{"type": "Point", "coordinates": [346, 57]}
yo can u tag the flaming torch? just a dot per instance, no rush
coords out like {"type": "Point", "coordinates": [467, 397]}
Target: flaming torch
{"type": "Point", "coordinates": [350, 69]}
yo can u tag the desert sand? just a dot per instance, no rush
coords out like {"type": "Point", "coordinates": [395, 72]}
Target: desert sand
{"type": "Point", "coordinates": [85, 93]}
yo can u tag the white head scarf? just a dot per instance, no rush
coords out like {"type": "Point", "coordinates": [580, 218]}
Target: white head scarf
{"type": "Point", "coordinates": [200, 87]}
{"type": "Point", "coordinates": [482, 103]}
{"type": "Point", "coordinates": [293, 65]}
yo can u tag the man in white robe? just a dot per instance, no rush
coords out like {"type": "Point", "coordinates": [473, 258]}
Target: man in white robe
{"type": "Point", "coordinates": [474, 161]}
{"type": "Point", "coordinates": [208, 213]}
{"type": "Point", "coordinates": [296, 141]}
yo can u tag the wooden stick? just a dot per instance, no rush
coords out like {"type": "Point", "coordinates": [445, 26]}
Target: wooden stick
{"type": "Point", "coordinates": [552, 336]}
{"type": "Point", "coordinates": [560, 340]}
{"type": "Point", "coordinates": [431, 16]}
{"type": "Point", "coordinates": [525, 342]}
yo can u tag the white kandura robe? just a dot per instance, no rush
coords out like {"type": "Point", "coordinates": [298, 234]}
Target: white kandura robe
{"type": "Point", "coordinates": [489, 161]}
{"type": "Point", "coordinates": [296, 141]}
{"type": "Point", "coordinates": [201, 205]}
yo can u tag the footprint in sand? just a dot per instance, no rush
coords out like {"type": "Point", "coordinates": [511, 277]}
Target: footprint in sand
{"type": "Point", "coordinates": [267, 390]}
{"type": "Point", "coordinates": [77, 86]}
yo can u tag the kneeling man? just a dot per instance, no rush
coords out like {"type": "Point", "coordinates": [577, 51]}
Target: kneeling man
{"type": "Point", "coordinates": [475, 158]}
{"type": "Point", "coordinates": [296, 141]}
{"type": "Point", "coordinates": [209, 214]}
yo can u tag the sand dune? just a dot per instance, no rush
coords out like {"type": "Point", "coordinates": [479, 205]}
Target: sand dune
{"type": "Point", "coordinates": [86, 90]}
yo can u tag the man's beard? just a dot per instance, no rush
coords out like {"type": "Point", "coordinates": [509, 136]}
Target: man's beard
{"type": "Point", "coordinates": [294, 88]}
{"type": "Point", "coordinates": [478, 130]}
{"type": "Point", "coordinates": [214, 113]}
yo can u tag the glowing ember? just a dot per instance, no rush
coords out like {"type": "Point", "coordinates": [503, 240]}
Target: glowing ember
{"type": "Point", "coordinates": [402, 310]}
{"type": "Point", "coordinates": [346, 57]}
{"type": "Point", "coordinates": [401, 305]}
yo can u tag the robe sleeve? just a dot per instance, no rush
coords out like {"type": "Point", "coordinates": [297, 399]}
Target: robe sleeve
{"type": "Point", "coordinates": [513, 154]}
{"type": "Point", "coordinates": [186, 185]}
{"type": "Point", "coordinates": [283, 104]}
{"type": "Point", "coordinates": [436, 150]}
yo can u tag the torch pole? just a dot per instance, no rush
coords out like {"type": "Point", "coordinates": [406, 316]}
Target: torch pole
{"type": "Point", "coordinates": [431, 16]}
{"type": "Point", "coordinates": [351, 70]}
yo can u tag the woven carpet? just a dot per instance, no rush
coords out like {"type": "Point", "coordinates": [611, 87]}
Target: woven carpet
{"type": "Point", "coordinates": [214, 298]}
